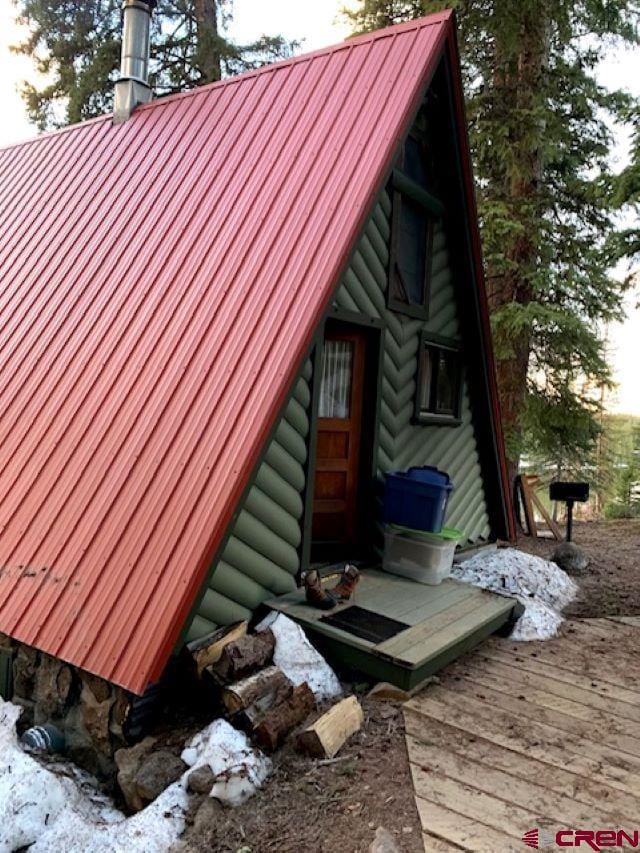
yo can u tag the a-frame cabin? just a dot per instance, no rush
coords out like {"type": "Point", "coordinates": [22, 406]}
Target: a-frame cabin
{"type": "Point", "coordinates": [223, 321]}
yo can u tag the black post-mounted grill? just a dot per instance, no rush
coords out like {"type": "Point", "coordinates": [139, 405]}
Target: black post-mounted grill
{"type": "Point", "coordinates": [569, 493]}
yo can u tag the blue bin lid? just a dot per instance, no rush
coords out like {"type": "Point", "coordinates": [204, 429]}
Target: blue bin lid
{"type": "Point", "coordinates": [426, 474]}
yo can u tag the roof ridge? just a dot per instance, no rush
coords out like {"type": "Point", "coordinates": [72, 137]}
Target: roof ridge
{"type": "Point", "coordinates": [364, 38]}
{"type": "Point", "coordinates": [58, 131]}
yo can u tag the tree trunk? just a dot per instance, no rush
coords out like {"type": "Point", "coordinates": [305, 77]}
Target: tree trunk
{"type": "Point", "coordinates": [209, 59]}
{"type": "Point", "coordinates": [518, 84]}
{"type": "Point", "coordinates": [512, 383]}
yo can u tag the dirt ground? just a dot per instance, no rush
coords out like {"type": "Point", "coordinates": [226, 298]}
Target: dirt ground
{"type": "Point", "coordinates": [610, 586]}
{"type": "Point", "coordinates": [308, 806]}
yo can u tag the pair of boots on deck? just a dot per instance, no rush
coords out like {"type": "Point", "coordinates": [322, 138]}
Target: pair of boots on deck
{"type": "Point", "coordinates": [326, 599]}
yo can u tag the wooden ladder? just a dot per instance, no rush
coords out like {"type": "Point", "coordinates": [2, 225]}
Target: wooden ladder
{"type": "Point", "coordinates": [526, 485]}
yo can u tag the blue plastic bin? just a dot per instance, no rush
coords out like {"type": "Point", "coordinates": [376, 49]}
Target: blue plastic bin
{"type": "Point", "coordinates": [417, 498]}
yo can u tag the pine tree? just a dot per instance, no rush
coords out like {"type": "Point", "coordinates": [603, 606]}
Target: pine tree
{"type": "Point", "coordinates": [622, 443]}
{"type": "Point", "coordinates": [627, 197]}
{"type": "Point", "coordinates": [539, 126]}
{"type": "Point", "coordinates": [76, 45]}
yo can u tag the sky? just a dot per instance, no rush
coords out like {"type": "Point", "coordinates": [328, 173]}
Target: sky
{"type": "Point", "coordinates": [319, 24]}
{"type": "Point", "coordinates": [13, 69]}
{"type": "Point", "coordinates": [621, 70]}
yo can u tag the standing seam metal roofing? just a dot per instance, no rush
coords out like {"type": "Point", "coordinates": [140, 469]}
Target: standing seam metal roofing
{"type": "Point", "coordinates": [160, 283]}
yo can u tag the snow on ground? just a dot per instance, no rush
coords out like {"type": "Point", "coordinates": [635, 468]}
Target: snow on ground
{"type": "Point", "coordinates": [297, 658]}
{"type": "Point", "coordinates": [57, 807]}
{"type": "Point", "coordinates": [542, 586]}
{"type": "Point", "coordinates": [237, 766]}
{"type": "Point", "coordinates": [153, 830]}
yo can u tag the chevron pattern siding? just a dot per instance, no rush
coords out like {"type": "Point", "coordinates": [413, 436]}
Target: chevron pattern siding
{"type": "Point", "coordinates": [402, 443]}
{"type": "Point", "coordinates": [261, 557]}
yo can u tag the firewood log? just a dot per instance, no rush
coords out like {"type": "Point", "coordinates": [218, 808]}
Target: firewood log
{"type": "Point", "coordinates": [244, 656]}
{"type": "Point", "coordinates": [327, 735]}
{"type": "Point", "coordinates": [257, 691]}
{"type": "Point", "coordinates": [281, 719]}
{"type": "Point", "coordinates": [209, 650]}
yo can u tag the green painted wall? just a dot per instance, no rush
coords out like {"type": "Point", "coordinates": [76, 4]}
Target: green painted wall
{"type": "Point", "coordinates": [6, 673]}
{"type": "Point", "coordinates": [402, 443]}
{"type": "Point", "coordinates": [261, 557]}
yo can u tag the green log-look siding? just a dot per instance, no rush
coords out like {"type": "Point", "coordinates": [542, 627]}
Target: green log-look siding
{"type": "Point", "coordinates": [403, 443]}
{"type": "Point", "coordinates": [261, 557]}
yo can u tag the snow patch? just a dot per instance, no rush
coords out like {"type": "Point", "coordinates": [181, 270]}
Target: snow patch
{"type": "Point", "coordinates": [238, 768]}
{"type": "Point", "coordinates": [297, 658]}
{"type": "Point", "coordinates": [153, 830]}
{"type": "Point", "coordinates": [538, 622]}
{"type": "Point", "coordinates": [31, 796]}
{"type": "Point", "coordinates": [542, 586]}
{"type": "Point", "coordinates": [59, 807]}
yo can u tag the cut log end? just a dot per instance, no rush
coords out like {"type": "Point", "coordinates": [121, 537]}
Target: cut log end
{"type": "Point", "coordinates": [208, 650]}
{"type": "Point", "coordinates": [331, 731]}
{"type": "Point", "coordinates": [244, 656]}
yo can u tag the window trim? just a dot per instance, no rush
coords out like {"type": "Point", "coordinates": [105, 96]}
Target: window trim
{"type": "Point", "coordinates": [405, 185]}
{"type": "Point", "coordinates": [393, 302]}
{"type": "Point", "coordinates": [439, 342]}
{"type": "Point", "coordinates": [401, 187]}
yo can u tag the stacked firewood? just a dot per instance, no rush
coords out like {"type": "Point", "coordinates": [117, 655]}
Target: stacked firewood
{"type": "Point", "coordinates": [259, 698]}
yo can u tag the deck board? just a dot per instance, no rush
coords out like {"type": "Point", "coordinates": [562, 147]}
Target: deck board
{"type": "Point", "coordinates": [550, 670]}
{"type": "Point", "coordinates": [428, 759]}
{"type": "Point", "coordinates": [462, 832]}
{"type": "Point", "coordinates": [503, 744]}
{"type": "Point", "coordinates": [588, 694]}
{"type": "Point", "coordinates": [585, 658]}
{"type": "Point", "coordinates": [620, 748]}
{"type": "Point", "coordinates": [591, 710]}
{"type": "Point", "coordinates": [434, 620]}
{"type": "Point", "coordinates": [459, 624]}
{"type": "Point", "coordinates": [631, 621]}
{"type": "Point", "coordinates": [444, 621]}
{"type": "Point", "coordinates": [433, 844]}
{"type": "Point", "coordinates": [440, 598]}
{"type": "Point", "coordinates": [563, 783]}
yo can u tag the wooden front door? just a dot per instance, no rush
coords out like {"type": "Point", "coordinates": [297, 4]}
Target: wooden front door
{"type": "Point", "coordinates": [335, 507]}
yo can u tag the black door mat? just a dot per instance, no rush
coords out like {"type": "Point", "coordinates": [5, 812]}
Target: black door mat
{"type": "Point", "coordinates": [365, 624]}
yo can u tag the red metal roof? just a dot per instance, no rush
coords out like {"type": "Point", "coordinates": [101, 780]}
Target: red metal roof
{"type": "Point", "coordinates": [160, 282]}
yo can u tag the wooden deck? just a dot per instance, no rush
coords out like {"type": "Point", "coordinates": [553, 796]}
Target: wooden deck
{"type": "Point", "coordinates": [444, 622]}
{"type": "Point", "coordinates": [518, 736]}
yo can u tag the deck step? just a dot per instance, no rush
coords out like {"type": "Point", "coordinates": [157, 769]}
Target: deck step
{"type": "Point", "coordinates": [442, 622]}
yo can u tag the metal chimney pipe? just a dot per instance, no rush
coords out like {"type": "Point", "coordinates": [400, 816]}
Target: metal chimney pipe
{"type": "Point", "coordinates": [132, 87]}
